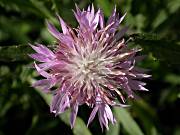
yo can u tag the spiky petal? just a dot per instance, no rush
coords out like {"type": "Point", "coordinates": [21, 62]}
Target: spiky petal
{"type": "Point", "coordinates": [90, 65]}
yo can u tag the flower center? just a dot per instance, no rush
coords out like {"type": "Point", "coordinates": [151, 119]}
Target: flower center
{"type": "Point", "coordinates": [85, 69]}
{"type": "Point", "coordinates": [86, 66]}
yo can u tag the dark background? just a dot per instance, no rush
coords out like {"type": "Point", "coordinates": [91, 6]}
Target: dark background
{"type": "Point", "coordinates": [154, 25]}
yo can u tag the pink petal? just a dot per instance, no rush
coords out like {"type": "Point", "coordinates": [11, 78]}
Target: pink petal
{"type": "Point", "coordinates": [121, 33]}
{"type": "Point", "coordinates": [41, 49]}
{"type": "Point", "coordinates": [109, 113]}
{"type": "Point", "coordinates": [73, 114]}
{"type": "Point", "coordinates": [53, 31]}
{"type": "Point", "coordinates": [64, 103]}
{"type": "Point", "coordinates": [63, 25]}
{"type": "Point", "coordinates": [55, 103]}
{"type": "Point", "coordinates": [112, 17]}
{"type": "Point", "coordinates": [41, 72]}
{"type": "Point", "coordinates": [122, 18]}
{"type": "Point", "coordinates": [39, 57]}
{"type": "Point", "coordinates": [92, 115]}
{"type": "Point", "coordinates": [96, 20]}
{"type": "Point", "coordinates": [100, 121]}
{"type": "Point", "coordinates": [101, 19]}
{"type": "Point", "coordinates": [103, 116]}
{"type": "Point", "coordinates": [92, 9]}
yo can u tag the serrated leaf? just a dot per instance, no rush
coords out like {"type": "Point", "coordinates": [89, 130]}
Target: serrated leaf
{"type": "Point", "coordinates": [14, 53]}
{"type": "Point", "coordinates": [128, 123]}
{"type": "Point", "coordinates": [162, 49]}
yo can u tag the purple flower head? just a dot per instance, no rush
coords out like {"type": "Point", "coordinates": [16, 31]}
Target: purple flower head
{"type": "Point", "coordinates": [91, 65]}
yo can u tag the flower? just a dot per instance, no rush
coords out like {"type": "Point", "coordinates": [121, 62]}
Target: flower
{"type": "Point", "coordinates": [90, 65]}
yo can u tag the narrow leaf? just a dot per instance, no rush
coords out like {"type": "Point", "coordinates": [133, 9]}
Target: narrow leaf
{"type": "Point", "coordinates": [15, 53]}
{"type": "Point", "coordinates": [128, 123]}
{"type": "Point", "coordinates": [113, 129]}
{"type": "Point", "coordinates": [147, 115]}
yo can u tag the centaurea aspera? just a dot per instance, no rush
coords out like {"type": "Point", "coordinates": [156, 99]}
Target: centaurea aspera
{"type": "Point", "coordinates": [90, 65]}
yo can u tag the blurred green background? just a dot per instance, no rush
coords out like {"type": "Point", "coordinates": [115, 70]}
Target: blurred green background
{"type": "Point", "coordinates": [154, 25]}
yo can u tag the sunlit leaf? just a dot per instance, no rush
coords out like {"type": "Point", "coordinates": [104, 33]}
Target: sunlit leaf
{"type": "Point", "coordinates": [128, 123]}
{"type": "Point", "coordinates": [113, 129]}
{"type": "Point", "coordinates": [147, 116]}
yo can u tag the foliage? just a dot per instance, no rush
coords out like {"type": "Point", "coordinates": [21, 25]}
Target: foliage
{"type": "Point", "coordinates": [154, 25]}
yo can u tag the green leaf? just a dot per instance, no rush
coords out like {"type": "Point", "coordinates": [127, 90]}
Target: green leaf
{"type": "Point", "coordinates": [106, 6]}
{"type": "Point", "coordinates": [162, 49]}
{"type": "Point", "coordinates": [24, 6]}
{"type": "Point", "coordinates": [113, 129]}
{"type": "Point", "coordinates": [43, 10]}
{"type": "Point", "coordinates": [173, 79]}
{"type": "Point", "coordinates": [147, 116]}
{"type": "Point", "coordinates": [80, 128]}
{"type": "Point", "coordinates": [15, 53]}
{"type": "Point", "coordinates": [129, 124]}
{"type": "Point", "coordinates": [18, 33]}
{"type": "Point", "coordinates": [164, 14]}
{"type": "Point", "coordinates": [56, 5]}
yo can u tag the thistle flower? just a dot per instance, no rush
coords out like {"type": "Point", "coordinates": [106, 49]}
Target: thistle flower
{"type": "Point", "coordinates": [90, 65]}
